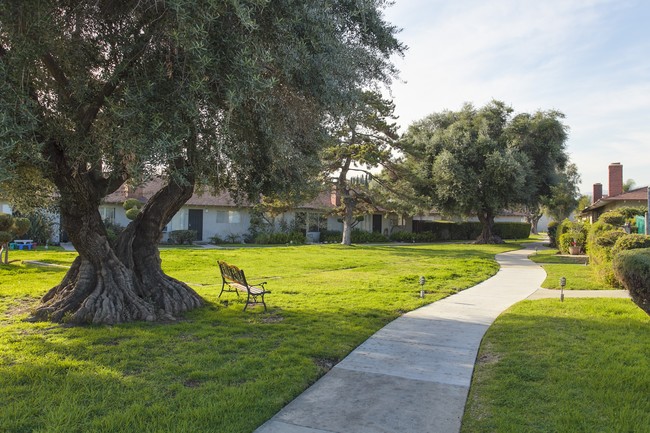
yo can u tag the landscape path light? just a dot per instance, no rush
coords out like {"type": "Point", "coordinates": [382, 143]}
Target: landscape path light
{"type": "Point", "coordinates": [422, 281]}
{"type": "Point", "coordinates": [562, 284]}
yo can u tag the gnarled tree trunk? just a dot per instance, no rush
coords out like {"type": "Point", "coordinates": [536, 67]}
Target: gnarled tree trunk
{"type": "Point", "coordinates": [487, 236]}
{"type": "Point", "coordinates": [115, 283]}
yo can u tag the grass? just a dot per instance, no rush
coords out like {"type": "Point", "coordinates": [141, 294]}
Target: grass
{"type": "Point", "coordinates": [578, 366]}
{"type": "Point", "coordinates": [219, 369]}
{"type": "Point", "coordinates": [579, 275]}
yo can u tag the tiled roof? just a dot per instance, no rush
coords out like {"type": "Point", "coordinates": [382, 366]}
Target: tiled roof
{"type": "Point", "coordinates": [639, 195]}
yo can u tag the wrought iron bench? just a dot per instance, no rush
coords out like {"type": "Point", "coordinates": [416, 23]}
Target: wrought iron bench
{"type": "Point", "coordinates": [234, 280]}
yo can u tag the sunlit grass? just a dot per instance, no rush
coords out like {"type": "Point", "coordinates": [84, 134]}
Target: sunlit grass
{"type": "Point", "coordinates": [579, 275]}
{"type": "Point", "coordinates": [582, 365]}
{"type": "Point", "coordinates": [206, 372]}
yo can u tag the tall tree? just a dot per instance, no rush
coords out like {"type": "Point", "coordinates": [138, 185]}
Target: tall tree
{"type": "Point", "coordinates": [481, 161]}
{"type": "Point", "coordinates": [363, 141]}
{"type": "Point", "coordinates": [225, 93]}
{"type": "Point", "coordinates": [563, 197]}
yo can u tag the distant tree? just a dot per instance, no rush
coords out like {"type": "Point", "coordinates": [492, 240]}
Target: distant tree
{"type": "Point", "coordinates": [233, 94]}
{"type": "Point", "coordinates": [10, 228]}
{"type": "Point", "coordinates": [584, 201]}
{"type": "Point", "coordinates": [482, 161]}
{"type": "Point", "coordinates": [563, 197]}
{"type": "Point", "coordinates": [629, 185]}
{"type": "Point", "coordinates": [363, 140]}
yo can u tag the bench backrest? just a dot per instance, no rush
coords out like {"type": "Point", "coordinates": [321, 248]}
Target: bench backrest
{"type": "Point", "coordinates": [232, 273]}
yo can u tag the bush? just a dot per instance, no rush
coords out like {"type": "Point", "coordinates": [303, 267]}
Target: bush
{"type": "Point", "coordinates": [113, 230]}
{"type": "Point", "coordinates": [613, 217]}
{"type": "Point", "coordinates": [280, 238]}
{"type": "Point", "coordinates": [132, 207]}
{"type": "Point", "coordinates": [180, 237]}
{"type": "Point", "coordinates": [512, 230]}
{"type": "Point", "coordinates": [571, 233]}
{"type": "Point", "coordinates": [632, 268]}
{"type": "Point", "coordinates": [630, 242]}
{"type": "Point", "coordinates": [331, 236]}
{"type": "Point", "coordinates": [552, 233]}
{"type": "Point", "coordinates": [413, 237]}
{"type": "Point", "coordinates": [42, 228]}
{"type": "Point", "coordinates": [216, 240]}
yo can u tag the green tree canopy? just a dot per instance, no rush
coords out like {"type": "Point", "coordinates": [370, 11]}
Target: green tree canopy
{"type": "Point", "coordinates": [478, 162]}
{"type": "Point", "coordinates": [562, 199]}
{"type": "Point", "coordinates": [227, 94]}
{"type": "Point", "coordinates": [363, 141]}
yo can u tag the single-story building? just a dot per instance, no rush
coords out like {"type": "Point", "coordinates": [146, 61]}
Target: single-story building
{"type": "Point", "coordinates": [220, 215]}
{"type": "Point", "coordinates": [616, 197]}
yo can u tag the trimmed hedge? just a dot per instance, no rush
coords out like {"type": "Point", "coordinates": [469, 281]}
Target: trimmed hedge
{"type": "Point", "coordinates": [280, 238]}
{"type": "Point", "coordinates": [632, 268]}
{"type": "Point", "coordinates": [630, 242]}
{"type": "Point", "coordinates": [613, 217]}
{"type": "Point", "coordinates": [468, 231]}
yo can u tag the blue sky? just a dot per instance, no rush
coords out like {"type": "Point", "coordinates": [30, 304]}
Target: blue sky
{"type": "Point", "coordinates": [589, 59]}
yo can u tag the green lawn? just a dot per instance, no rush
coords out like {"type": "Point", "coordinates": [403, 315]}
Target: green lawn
{"type": "Point", "coordinates": [579, 275]}
{"type": "Point", "coordinates": [219, 369]}
{"type": "Point", "coordinates": [578, 366]}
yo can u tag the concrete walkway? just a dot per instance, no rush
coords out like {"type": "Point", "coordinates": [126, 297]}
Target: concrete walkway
{"type": "Point", "coordinates": [414, 374]}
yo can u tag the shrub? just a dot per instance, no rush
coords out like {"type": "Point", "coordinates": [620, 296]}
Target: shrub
{"type": "Point", "coordinates": [280, 238]}
{"type": "Point", "coordinates": [216, 240]}
{"type": "Point", "coordinates": [180, 237]}
{"type": "Point", "coordinates": [613, 217]}
{"type": "Point", "coordinates": [552, 233]}
{"type": "Point", "coordinates": [413, 237]}
{"type": "Point", "coordinates": [132, 207]}
{"type": "Point", "coordinates": [512, 230]}
{"type": "Point", "coordinates": [42, 227]}
{"type": "Point", "coordinates": [630, 242]}
{"type": "Point", "coordinates": [571, 233]}
{"type": "Point", "coordinates": [331, 236]}
{"type": "Point", "coordinates": [113, 230]}
{"type": "Point", "coordinates": [632, 268]}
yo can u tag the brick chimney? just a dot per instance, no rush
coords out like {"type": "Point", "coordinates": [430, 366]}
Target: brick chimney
{"type": "Point", "coordinates": [615, 179]}
{"type": "Point", "coordinates": [597, 192]}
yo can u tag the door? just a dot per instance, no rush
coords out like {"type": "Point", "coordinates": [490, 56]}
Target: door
{"type": "Point", "coordinates": [195, 222]}
{"type": "Point", "coordinates": [376, 223]}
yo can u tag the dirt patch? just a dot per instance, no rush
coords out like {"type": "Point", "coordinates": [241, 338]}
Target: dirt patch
{"type": "Point", "coordinates": [20, 307]}
{"type": "Point", "coordinates": [325, 364]}
{"type": "Point", "coordinates": [192, 383]}
{"type": "Point", "coordinates": [272, 319]}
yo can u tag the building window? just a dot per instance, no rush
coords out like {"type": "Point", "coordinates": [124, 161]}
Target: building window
{"type": "Point", "coordinates": [310, 221]}
{"type": "Point", "coordinates": [228, 217]}
{"type": "Point", "coordinates": [108, 213]}
{"type": "Point", "coordinates": [222, 217]}
{"type": "Point", "coordinates": [234, 217]}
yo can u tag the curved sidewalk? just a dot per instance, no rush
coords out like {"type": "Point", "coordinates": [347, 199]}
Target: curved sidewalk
{"type": "Point", "coordinates": [414, 374]}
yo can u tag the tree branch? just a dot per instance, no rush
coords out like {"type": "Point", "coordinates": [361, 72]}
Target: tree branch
{"type": "Point", "coordinates": [121, 70]}
{"type": "Point", "coordinates": [59, 76]}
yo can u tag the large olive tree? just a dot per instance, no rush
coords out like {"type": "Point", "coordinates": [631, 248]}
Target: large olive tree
{"type": "Point", "coordinates": [479, 162]}
{"type": "Point", "coordinates": [230, 94]}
